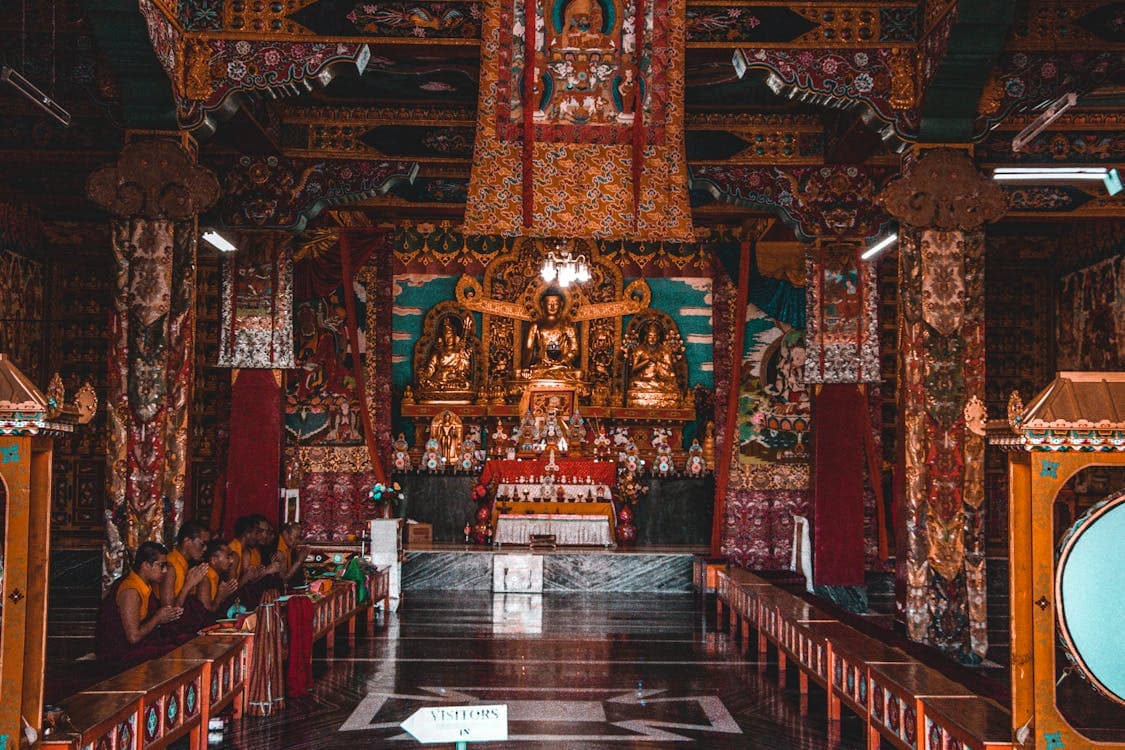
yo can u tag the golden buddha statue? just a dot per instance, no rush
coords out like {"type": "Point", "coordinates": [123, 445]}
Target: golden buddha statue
{"type": "Point", "coordinates": [449, 366]}
{"type": "Point", "coordinates": [551, 348]}
{"type": "Point", "coordinates": [653, 379]}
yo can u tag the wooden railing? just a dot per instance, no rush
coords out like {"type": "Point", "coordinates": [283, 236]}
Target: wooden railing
{"type": "Point", "coordinates": [897, 697]}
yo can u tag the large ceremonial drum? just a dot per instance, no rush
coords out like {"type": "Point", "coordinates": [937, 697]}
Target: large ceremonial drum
{"type": "Point", "coordinates": [1089, 597]}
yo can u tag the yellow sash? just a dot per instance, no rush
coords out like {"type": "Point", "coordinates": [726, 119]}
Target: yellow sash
{"type": "Point", "coordinates": [213, 579]}
{"type": "Point", "coordinates": [136, 583]}
{"type": "Point", "coordinates": [286, 556]}
{"type": "Point", "coordinates": [179, 565]}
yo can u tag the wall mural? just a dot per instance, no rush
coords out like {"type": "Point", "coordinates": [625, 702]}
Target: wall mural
{"type": "Point", "coordinates": [773, 407]}
{"type": "Point", "coordinates": [320, 403]}
{"type": "Point", "coordinates": [1091, 317]}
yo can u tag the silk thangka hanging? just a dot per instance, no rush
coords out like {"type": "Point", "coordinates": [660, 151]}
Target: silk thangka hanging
{"type": "Point", "coordinates": [843, 324]}
{"type": "Point", "coordinates": [588, 141]}
{"type": "Point", "coordinates": [257, 304]}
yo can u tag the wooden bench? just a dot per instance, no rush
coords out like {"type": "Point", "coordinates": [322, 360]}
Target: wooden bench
{"type": "Point", "coordinates": [896, 703]}
{"type": "Point", "coordinates": [170, 692]}
{"type": "Point", "coordinates": [98, 720]}
{"type": "Point", "coordinates": [913, 706]}
{"type": "Point", "coordinates": [226, 659]}
{"type": "Point", "coordinates": [849, 655]}
{"type": "Point", "coordinates": [379, 590]}
{"type": "Point", "coordinates": [795, 640]}
{"type": "Point", "coordinates": [704, 572]}
{"type": "Point", "coordinates": [968, 723]}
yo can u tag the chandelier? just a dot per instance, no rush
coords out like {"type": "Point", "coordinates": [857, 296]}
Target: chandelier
{"type": "Point", "coordinates": [563, 267]}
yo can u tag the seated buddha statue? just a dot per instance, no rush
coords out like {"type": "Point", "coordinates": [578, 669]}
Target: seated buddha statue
{"type": "Point", "coordinates": [653, 380]}
{"type": "Point", "coordinates": [551, 348]}
{"type": "Point", "coordinates": [448, 368]}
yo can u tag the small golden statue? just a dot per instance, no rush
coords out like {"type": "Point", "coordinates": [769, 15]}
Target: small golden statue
{"type": "Point", "coordinates": [449, 366]}
{"type": "Point", "coordinates": [448, 430]}
{"type": "Point", "coordinates": [654, 378]}
{"type": "Point", "coordinates": [709, 445]}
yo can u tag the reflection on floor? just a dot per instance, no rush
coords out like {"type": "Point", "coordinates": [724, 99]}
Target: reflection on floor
{"type": "Point", "coordinates": [587, 670]}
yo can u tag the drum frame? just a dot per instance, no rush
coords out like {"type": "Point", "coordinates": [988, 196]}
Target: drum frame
{"type": "Point", "coordinates": [1069, 540]}
{"type": "Point", "coordinates": [1034, 480]}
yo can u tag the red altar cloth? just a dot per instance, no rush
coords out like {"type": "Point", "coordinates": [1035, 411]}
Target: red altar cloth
{"type": "Point", "coordinates": [600, 472]}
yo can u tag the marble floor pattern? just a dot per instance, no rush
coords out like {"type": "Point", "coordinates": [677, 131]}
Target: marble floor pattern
{"type": "Point", "coordinates": [576, 670]}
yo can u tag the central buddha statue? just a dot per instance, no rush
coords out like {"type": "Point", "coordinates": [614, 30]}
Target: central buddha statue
{"type": "Point", "coordinates": [551, 347]}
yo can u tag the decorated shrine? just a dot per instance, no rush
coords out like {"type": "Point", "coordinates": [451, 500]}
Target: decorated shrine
{"type": "Point", "coordinates": [592, 297]}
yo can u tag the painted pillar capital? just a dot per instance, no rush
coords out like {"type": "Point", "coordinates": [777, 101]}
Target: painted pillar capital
{"type": "Point", "coordinates": [941, 188]}
{"type": "Point", "coordinates": [154, 178]}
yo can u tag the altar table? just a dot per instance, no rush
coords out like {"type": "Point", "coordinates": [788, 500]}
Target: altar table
{"type": "Point", "coordinates": [603, 473]}
{"type": "Point", "coordinates": [567, 529]}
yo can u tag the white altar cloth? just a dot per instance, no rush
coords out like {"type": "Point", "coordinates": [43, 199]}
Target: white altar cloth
{"type": "Point", "coordinates": [568, 529]}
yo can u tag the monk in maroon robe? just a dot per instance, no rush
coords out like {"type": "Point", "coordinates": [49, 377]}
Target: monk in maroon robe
{"type": "Point", "coordinates": [132, 625]}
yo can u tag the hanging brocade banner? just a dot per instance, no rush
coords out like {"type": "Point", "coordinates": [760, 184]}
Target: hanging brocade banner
{"type": "Point", "coordinates": [600, 150]}
{"type": "Point", "coordinates": [843, 323]}
{"type": "Point", "coordinates": [257, 303]}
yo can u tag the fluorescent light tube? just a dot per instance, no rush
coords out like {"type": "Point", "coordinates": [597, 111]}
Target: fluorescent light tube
{"type": "Point", "coordinates": [879, 247]}
{"type": "Point", "coordinates": [218, 241]}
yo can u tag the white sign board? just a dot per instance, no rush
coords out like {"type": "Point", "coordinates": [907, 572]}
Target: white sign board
{"type": "Point", "coordinates": [458, 724]}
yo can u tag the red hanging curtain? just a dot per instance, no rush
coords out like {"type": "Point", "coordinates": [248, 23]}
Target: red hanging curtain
{"type": "Point", "coordinates": [839, 412]}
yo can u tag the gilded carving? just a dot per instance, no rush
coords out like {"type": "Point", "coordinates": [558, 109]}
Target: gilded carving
{"type": "Point", "coordinates": [991, 96]}
{"type": "Point", "coordinates": [537, 334]}
{"type": "Point", "coordinates": [1015, 410]}
{"type": "Point", "coordinates": [942, 189]}
{"type": "Point", "coordinates": [264, 20]}
{"type": "Point", "coordinates": [197, 69]}
{"type": "Point", "coordinates": [332, 459]}
{"type": "Point", "coordinates": [903, 75]}
{"type": "Point", "coordinates": [56, 396]}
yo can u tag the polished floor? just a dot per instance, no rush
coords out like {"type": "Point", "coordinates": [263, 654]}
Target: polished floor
{"type": "Point", "coordinates": [589, 670]}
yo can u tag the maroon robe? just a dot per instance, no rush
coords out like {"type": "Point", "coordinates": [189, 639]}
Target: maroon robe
{"type": "Point", "coordinates": [110, 643]}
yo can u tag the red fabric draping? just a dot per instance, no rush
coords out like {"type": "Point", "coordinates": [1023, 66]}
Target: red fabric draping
{"type": "Point", "coordinates": [601, 472]}
{"type": "Point", "coordinates": [265, 688]}
{"type": "Point", "coordinates": [839, 412]}
{"type": "Point", "coordinates": [254, 455]}
{"type": "Point", "coordinates": [318, 275]}
{"type": "Point", "coordinates": [299, 619]}
{"type": "Point", "coordinates": [369, 436]}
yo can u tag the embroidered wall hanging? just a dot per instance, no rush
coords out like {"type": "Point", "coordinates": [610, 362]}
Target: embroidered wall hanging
{"type": "Point", "coordinates": [257, 303]}
{"type": "Point", "coordinates": [588, 140]}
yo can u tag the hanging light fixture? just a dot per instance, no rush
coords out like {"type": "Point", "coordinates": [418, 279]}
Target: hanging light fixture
{"type": "Point", "coordinates": [561, 266]}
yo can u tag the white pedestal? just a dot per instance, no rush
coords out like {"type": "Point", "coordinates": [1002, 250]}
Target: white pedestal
{"type": "Point", "coordinates": [386, 552]}
{"type": "Point", "coordinates": [517, 573]}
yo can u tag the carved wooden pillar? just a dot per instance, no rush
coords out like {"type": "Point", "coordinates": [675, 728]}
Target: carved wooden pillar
{"type": "Point", "coordinates": [154, 193]}
{"type": "Point", "coordinates": [942, 203]}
